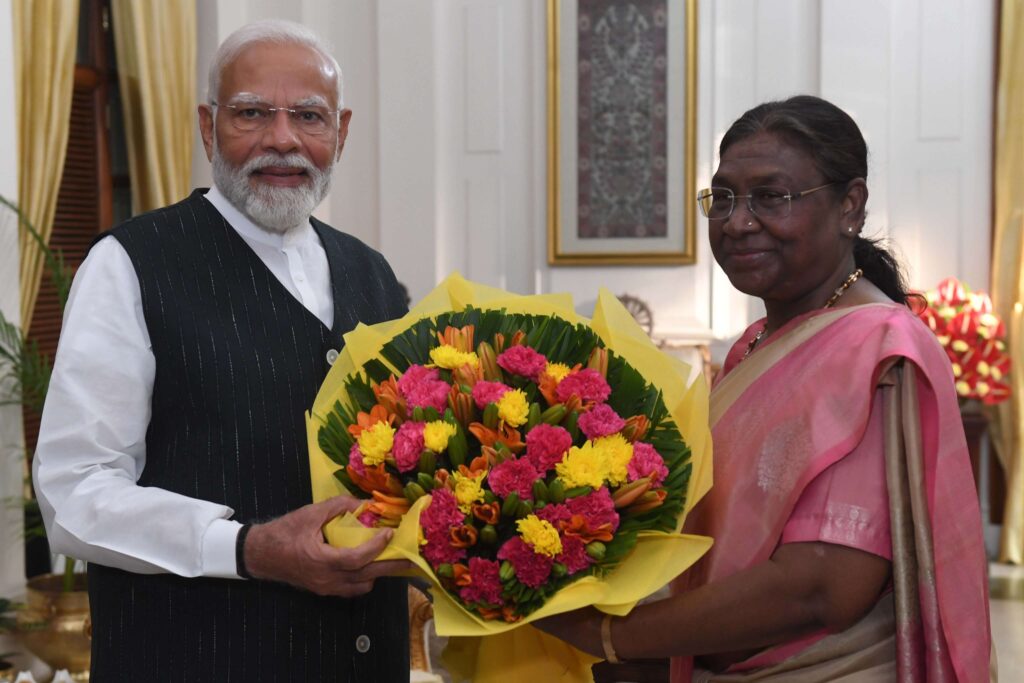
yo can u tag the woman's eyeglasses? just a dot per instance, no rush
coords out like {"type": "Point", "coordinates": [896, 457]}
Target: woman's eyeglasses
{"type": "Point", "coordinates": [771, 202]}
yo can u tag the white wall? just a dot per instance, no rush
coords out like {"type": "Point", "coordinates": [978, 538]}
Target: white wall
{"type": "Point", "coordinates": [445, 165]}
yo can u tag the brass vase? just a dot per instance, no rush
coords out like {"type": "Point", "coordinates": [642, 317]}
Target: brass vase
{"type": "Point", "coordinates": [54, 624]}
{"type": "Point", "coordinates": [7, 672]}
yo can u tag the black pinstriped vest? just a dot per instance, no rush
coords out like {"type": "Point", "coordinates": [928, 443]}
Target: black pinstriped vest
{"type": "Point", "coordinates": [238, 361]}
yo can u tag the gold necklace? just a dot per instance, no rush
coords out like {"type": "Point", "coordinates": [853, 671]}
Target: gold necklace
{"type": "Point", "coordinates": [836, 295]}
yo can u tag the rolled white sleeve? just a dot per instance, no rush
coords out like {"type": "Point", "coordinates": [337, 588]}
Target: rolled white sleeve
{"type": "Point", "coordinates": [92, 441]}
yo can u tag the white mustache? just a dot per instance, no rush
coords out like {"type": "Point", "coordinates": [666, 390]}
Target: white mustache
{"type": "Point", "coordinates": [271, 159]}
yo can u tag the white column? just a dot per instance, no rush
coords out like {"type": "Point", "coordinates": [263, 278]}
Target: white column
{"type": "Point", "coordinates": [12, 449]}
{"type": "Point", "coordinates": [408, 111]}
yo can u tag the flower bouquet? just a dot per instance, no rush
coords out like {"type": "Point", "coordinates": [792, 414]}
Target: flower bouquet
{"type": "Point", "coordinates": [973, 337]}
{"type": "Point", "coordinates": [526, 461]}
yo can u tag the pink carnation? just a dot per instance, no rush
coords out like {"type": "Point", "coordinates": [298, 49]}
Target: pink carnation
{"type": "Point", "coordinates": [443, 511]}
{"type": "Point", "coordinates": [588, 384]}
{"type": "Point", "coordinates": [600, 421]}
{"type": "Point", "coordinates": [524, 361]}
{"type": "Point", "coordinates": [574, 554]}
{"type": "Point", "coordinates": [647, 462]}
{"type": "Point", "coordinates": [408, 446]}
{"type": "Point", "coordinates": [597, 508]}
{"type": "Point", "coordinates": [531, 569]}
{"type": "Point", "coordinates": [485, 392]}
{"type": "Point", "coordinates": [421, 388]}
{"type": "Point", "coordinates": [355, 459]}
{"type": "Point", "coordinates": [437, 520]}
{"type": "Point", "coordinates": [516, 475]}
{"type": "Point", "coordinates": [485, 582]}
{"type": "Point", "coordinates": [545, 446]}
{"type": "Point", "coordinates": [439, 550]}
{"type": "Point", "coordinates": [368, 518]}
{"type": "Point", "coordinates": [554, 513]}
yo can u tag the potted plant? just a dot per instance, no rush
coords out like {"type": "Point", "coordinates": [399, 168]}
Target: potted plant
{"type": "Point", "coordinates": [54, 621]}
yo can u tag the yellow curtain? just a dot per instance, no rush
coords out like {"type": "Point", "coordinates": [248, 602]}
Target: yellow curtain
{"type": "Point", "coordinates": [1007, 262]}
{"type": "Point", "coordinates": [45, 37]}
{"type": "Point", "coordinates": [155, 41]}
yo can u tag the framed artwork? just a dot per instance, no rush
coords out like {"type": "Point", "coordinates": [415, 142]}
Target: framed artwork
{"type": "Point", "coordinates": [622, 80]}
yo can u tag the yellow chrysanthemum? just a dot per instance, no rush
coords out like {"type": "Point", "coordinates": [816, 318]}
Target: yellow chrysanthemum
{"type": "Point", "coordinates": [450, 358]}
{"type": "Point", "coordinates": [468, 489]}
{"type": "Point", "coordinates": [376, 442]}
{"type": "Point", "coordinates": [436, 435]}
{"type": "Point", "coordinates": [539, 535]}
{"type": "Point", "coordinates": [616, 452]}
{"type": "Point", "coordinates": [583, 466]}
{"type": "Point", "coordinates": [959, 345]}
{"type": "Point", "coordinates": [963, 388]}
{"type": "Point", "coordinates": [557, 370]}
{"type": "Point", "coordinates": [984, 369]}
{"type": "Point", "coordinates": [513, 407]}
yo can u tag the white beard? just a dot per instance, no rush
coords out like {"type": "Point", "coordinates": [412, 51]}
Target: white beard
{"type": "Point", "coordinates": [275, 209]}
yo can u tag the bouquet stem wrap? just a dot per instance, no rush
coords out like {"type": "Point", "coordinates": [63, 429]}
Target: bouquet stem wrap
{"type": "Point", "coordinates": [482, 650]}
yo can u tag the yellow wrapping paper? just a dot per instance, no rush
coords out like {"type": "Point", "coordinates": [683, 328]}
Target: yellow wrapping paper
{"type": "Point", "coordinates": [483, 651]}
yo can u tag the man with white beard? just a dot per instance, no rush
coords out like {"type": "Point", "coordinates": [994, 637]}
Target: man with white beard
{"type": "Point", "coordinates": [172, 454]}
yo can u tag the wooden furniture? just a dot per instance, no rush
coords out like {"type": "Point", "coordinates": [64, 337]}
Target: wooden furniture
{"type": "Point", "coordinates": [987, 475]}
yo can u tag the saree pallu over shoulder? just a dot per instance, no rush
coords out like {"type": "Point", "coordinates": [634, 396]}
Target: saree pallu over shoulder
{"type": "Point", "coordinates": [801, 403]}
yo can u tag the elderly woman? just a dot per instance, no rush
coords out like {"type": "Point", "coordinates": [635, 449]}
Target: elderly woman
{"type": "Point", "coordinates": [847, 532]}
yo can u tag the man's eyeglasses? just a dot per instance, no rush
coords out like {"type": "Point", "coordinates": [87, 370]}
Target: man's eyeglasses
{"type": "Point", "coordinates": [771, 202]}
{"type": "Point", "coordinates": [256, 116]}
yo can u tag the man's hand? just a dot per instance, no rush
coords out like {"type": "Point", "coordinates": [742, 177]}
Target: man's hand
{"type": "Point", "coordinates": [291, 549]}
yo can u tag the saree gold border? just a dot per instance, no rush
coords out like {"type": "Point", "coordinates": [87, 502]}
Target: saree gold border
{"type": "Point", "coordinates": [750, 370]}
{"type": "Point", "coordinates": [688, 256]}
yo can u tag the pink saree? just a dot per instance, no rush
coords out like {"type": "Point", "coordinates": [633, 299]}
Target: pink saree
{"type": "Point", "coordinates": [801, 403]}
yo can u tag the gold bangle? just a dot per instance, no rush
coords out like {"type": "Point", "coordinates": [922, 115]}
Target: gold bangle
{"type": "Point", "coordinates": [606, 640]}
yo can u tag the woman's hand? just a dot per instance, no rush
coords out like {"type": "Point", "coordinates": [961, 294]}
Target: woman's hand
{"type": "Point", "coordinates": [580, 628]}
{"type": "Point", "coordinates": [803, 587]}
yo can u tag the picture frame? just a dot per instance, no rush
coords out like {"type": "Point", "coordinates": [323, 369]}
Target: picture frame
{"type": "Point", "coordinates": [621, 163]}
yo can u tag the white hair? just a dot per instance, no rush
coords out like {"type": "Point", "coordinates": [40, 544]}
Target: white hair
{"type": "Point", "coordinates": [277, 31]}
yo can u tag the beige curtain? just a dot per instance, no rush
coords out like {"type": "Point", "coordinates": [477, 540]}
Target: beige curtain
{"type": "Point", "coordinates": [45, 37]}
{"type": "Point", "coordinates": [155, 42]}
{"type": "Point", "coordinates": [1007, 262]}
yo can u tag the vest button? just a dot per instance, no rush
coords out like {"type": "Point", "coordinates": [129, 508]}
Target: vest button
{"type": "Point", "coordinates": [363, 644]}
{"type": "Point", "coordinates": [332, 356]}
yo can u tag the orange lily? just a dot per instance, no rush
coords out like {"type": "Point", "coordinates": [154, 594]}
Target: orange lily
{"type": "Point", "coordinates": [462, 536]}
{"type": "Point", "coordinates": [626, 495]}
{"type": "Point", "coordinates": [647, 502]}
{"type": "Point", "coordinates": [636, 428]}
{"type": "Point", "coordinates": [488, 362]}
{"type": "Point", "coordinates": [488, 513]}
{"type": "Point", "coordinates": [366, 420]}
{"type": "Point", "coordinates": [390, 508]}
{"type": "Point", "coordinates": [462, 405]}
{"type": "Point", "coordinates": [506, 612]}
{"type": "Point", "coordinates": [462, 575]}
{"type": "Point", "coordinates": [468, 375]}
{"type": "Point", "coordinates": [375, 479]}
{"type": "Point", "coordinates": [599, 361]}
{"type": "Point", "coordinates": [460, 338]}
{"type": "Point", "coordinates": [507, 435]}
{"type": "Point", "coordinates": [390, 397]}
{"type": "Point", "coordinates": [578, 526]}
